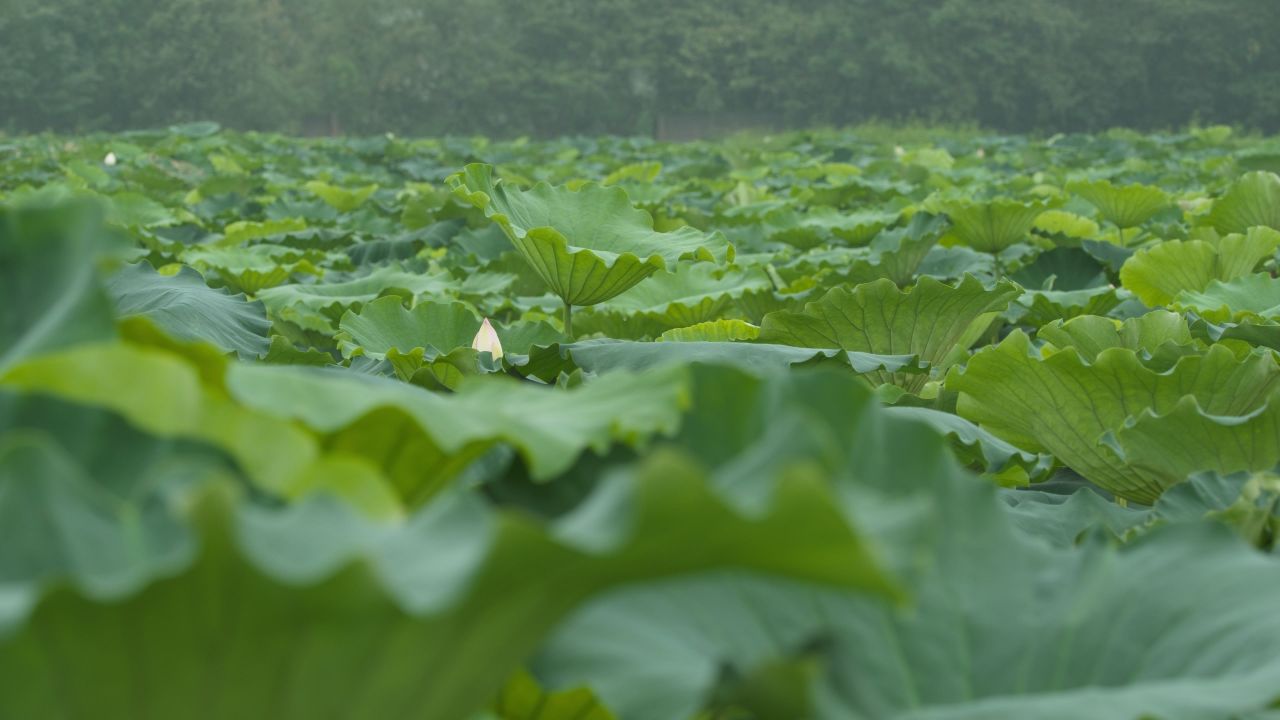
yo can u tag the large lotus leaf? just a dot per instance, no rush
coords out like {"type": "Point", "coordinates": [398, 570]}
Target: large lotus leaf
{"type": "Point", "coordinates": [421, 619]}
{"type": "Point", "coordinates": [339, 198]}
{"type": "Point", "coordinates": [1247, 502]}
{"type": "Point", "coordinates": [1156, 275]}
{"type": "Point", "coordinates": [71, 478]}
{"type": "Point", "coordinates": [929, 321]}
{"type": "Point", "coordinates": [1062, 634]}
{"type": "Point", "coordinates": [1064, 520]}
{"type": "Point", "coordinates": [1045, 633]}
{"type": "Point", "coordinates": [437, 371]}
{"type": "Point", "coordinates": [1252, 297]}
{"type": "Point", "coordinates": [896, 254]}
{"type": "Point", "coordinates": [1253, 201]}
{"type": "Point", "coordinates": [714, 331]}
{"type": "Point", "coordinates": [1041, 307]}
{"type": "Point", "coordinates": [699, 290]}
{"type": "Point", "coordinates": [1257, 334]}
{"type": "Point", "coordinates": [1159, 336]}
{"type": "Point", "coordinates": [605, 356]}
{"type": "Point", "coordinates": [246, 231]}
{"type": "Point", "coordinates": [975, 446]}
{"type": "Point", "coordinates": [319, 306]}
{"type": "Point", "coordinates": [385, 324]}
{"type": "Point", "coordinates": [748, 429]}
{"type": "Point", "coordinates": [994, 225]}
{"type": "Point", "coordinates": [254, 268]}
{"type": "Point", "coordinates": [130, 209]}
{"type": "Point", "coordinates": [1125, 206]}
{"type": "Point", "coordinates": [693, 294]}
{"type": "Point", "coordinates": [1062, 269]}
{"type": "Point", "coordinates": [1066, 229]}
{"type": "Point", "coordinates": [825, 226]}
{"type": "Point", "coordinates": [50, 296]}
{"type": "Point", "coordinates": [961, 648]}
{"type": "Point", "coordinates": [422, 439]}
{"type": "Point", "coordinates": [169, 396]}
{"type": "Point", "coordinates": [1185, 436]}
{"type": "Point", "coordinates": [588, 244]}
{"type": "Point", "coordinates": [899, 253]}
{"type": "Point", "coordinates": [1001, 625]}
{"type": "Point", "coordinates": [188, 309]}
{"type": "Point", "coordinates": [1069, 408]}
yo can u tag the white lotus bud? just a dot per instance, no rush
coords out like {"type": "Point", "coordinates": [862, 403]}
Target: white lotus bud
{"type": "Point", "coordinates": [899, 151]}
{"type": "Point", "coordinates": [487, 341]}
{"type": "Point", "coordinates": [981, 153]}
{"type": "Point", "coordinates": [109, 160]}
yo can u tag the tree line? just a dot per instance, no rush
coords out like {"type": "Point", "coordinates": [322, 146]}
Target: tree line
{"type": "Point", "coordinates": [553, 67]}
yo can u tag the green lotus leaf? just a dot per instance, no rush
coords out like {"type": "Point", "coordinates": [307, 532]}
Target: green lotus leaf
{"type": "Point", "coordinates": [320, 306]}
{"type": "Point", "coordinates": [588, 245]}
{"type": "Point", "coordinates": [1187, 436]}
{"type": "Point", "coordinates": [72, 479]}
{"type": "Point", "coordinates": [1068, 407]}
{"type": "Point", "coordinates": [1037, 308]}
{"type": "Point", "coordinates": [692, 294]}
{"type": "Point", "coordinates": [523, 699]}
{"type": "Point", "coordinates": [1252, 297]}
{"type": "Point", "coordinates": [440, 371]}
{"type": "Point", "coordinates": [825, 226]}
{"type": "Point", "coordinates": [245, 231]}
{"type": "Point", "coordinates": [700, 290]}
{"type": "Point", "coordinates": [1253, 201]}
{"type": "Point", "coordinates": [188, 309]}
{"type": "Point", "coordinates": [1126, 206]}
{"type": "Point", "coordinates": [1066, 520]}
{"type": "Point", "coordinates": [994, 225]}
{"type": "Point", "coordinates": [1158, 274]}
{"type": "Point", "coordinates": [1062, 269]}
{"type": "Point", "coordinates": [702, 638]}
{"type": "Point", "coordinates": [714, 331]}
{"type": "Point", "coordinates": [681, 634]}
{"type": "Point", "coordinates": [929, 321]}
{"type": "Point", "coordinates": [437, 327]}
{"type": "Point", "coordinates": [133, 210]}
{"type": "Point", "coordinates": [1247, 502]}
{"type": "Point", "coordinates": [1064, 228]}
{"type": "Point", "coordinates": [1158, 334]}
{"type": "Point", "coordinates": [422, 440]}
{"type": "Point", "coordinates": [1111, 255]}
{"type": "Point", "coordinates": [750, 429]}
{"type": "Point", "coordinates": [975, 446]}
{"type": "Point", "coordinates": [339, 198]}
{"type": "Point", "coordinates": [894, 254]}
{"type": "Point", "coordinates": [1257, 334]}
{"type": "Point", "coordinates": [390, 629]}
{"type": "Point", "coordinates": [253, 268]}
{"type": "Point", "coordinates": [166, 394]}
{"type": "Point", "coordinates": [50, 295]}
{"type": "Point", "coordinates": [604, 356]}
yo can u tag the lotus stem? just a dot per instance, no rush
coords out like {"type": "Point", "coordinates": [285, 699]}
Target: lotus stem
{"type": "Point", "coordinates": [568, 320]}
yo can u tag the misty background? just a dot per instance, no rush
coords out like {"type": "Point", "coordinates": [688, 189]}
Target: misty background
{"type": "Point", "coordinates": [647, 67]}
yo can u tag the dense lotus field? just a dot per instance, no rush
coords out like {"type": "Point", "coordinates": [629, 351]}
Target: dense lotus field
{"type": "Point", "coordinates": [829, 425]}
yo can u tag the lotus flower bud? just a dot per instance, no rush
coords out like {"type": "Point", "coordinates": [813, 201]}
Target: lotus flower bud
{"type": "Point", "coordinates": [109, 160]}
{"type": "Point", "coordinates": [487, 341]}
